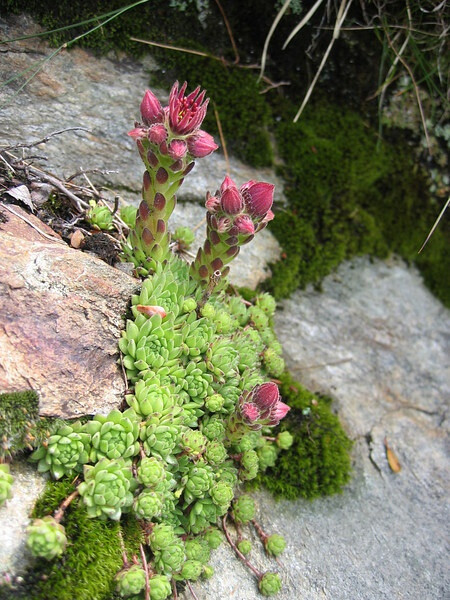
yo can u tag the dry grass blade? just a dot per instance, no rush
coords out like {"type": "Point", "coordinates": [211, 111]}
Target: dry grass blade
{"type": "Point", "coordinates": [269, 35]}
{"type": "Point", "coordinates": [305, 19]}
{"type": "Point", "coordinates": [436, 223]}
{"type": "Point", "coordinates": [222, 138]}
{"type": "Point", "coordinates": [342, 14]}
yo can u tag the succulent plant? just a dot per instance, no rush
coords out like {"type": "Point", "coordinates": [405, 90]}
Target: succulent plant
{"type": "Point", "coordinates": [243, 509]}
{"type": "Point", "coordinates": [273, 362]}
{"type": "Point", "coordinates": [100, 216]}
{"type": "Point", "coordinates": [267, 455]}
{"type": "Point", "coordinates": [213, 537]}
{"type": "Point", "coordinates": [215, 453]}
{"type": "Point", "coordinates": [160, 587]}
{"type": "Point", "coordinates": [162, 535]}
{"type": "Point", "coordinates": [208, 572]}
{"type": "Point", "coordinates": [284, 440]}
{"type": "Point", "coordinates": [46, 538]}
{"type": "Point", "coordinates": [184, 237]}
{"type": "Point", "coordinates": [170, 558]}
{"type": "Point", "coordinates": [151, 396]}
{"type": "Point", "coordinates": [244, 546]}
{"type": "Point", "coordinates": [193, 442]}
{"type": "Point", "coordinates": [198, 481]}
{"type": "Point", "coordinates": [114, 435]}
{"type": "Point", "coordinates": [222, 494]}
{"type": "Point", "coordinates": [275, 544]}
{"type": "Point", "coordinates": [213, 428]}
{"type": "Point", "coordinates": [150, 471]}
{"type": "Point", "coordinates": [266, 302]}
{"type": "Point", "coordinates": [6, 481]}
{"type": "Point", "coordinates": [65, 452]}
{"type": "Point", "coordinates": [192, 569]}
{"type": "Point", "coordinates": [249, 465]}
{"type": "Point", "coordinates": [198, 549]}
{"type": "Point", "coordinates": [269, 584]}
{"type": "Point", "coordinates": [107, 488]}
{"type": "Point", "coordinates": [130, 581]}
{"type": "Point", "coordinates": [148, 505]}
{"type": "Point", "coordinates": [128, 215]}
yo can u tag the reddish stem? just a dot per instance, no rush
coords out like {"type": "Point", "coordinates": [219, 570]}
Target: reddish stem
{"type": "Point", "coordinates": [174, 589]}
{"type": "Point", "coordinates": [260, 531]}
{"type": "Point", "coordinates": [59, 513]}
{"type": "Point", "coordinates": [235, 548]}
{"type": "Point", "coordinates": [147, 581]}
{"type": "Point", "coordinates": [191, 590]}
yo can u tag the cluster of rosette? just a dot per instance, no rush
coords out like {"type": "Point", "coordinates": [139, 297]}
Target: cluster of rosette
{"type": "Point", "coordinates": [169, 139]}
{"type": "Point", "coordinates": [233, 217]}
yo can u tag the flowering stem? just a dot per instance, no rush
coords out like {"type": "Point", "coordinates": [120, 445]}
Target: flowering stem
{"type": "Point", "coordinates": [59, 513]}
{"type": "Point", "coordinates": [235, 548]}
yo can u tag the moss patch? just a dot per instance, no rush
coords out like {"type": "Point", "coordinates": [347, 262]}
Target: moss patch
{"type": "Point", "coordinates": [349, 194]}
{"type": "Point", "coordinates": [21, 428]}
{"type": "Point", "coordinates": [318, 462]}
{"type": "Point", "coordinates": [86, 570]}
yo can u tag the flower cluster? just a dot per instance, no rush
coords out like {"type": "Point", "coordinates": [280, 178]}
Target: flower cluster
{"type": "Point", "coordinates": [169, 139]}
{"type": "Point", "coordinates": [233, 217]}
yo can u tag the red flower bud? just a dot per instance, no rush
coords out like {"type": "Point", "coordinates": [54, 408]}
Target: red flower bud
{"type": "Point", "coordinates": [250, 412]}
{"type": "Point", "coordinates": [177, 149]}
{"type": "Point", "coordinates": [157, 134]}
{"type": "Point", "coordinates": [201, 144]}
{"type": "Point", "coordinates": [231, 200]}
{"type": "Point", "coordinates": [244, 225]}
{"type": "Point", "coordinates": [266, 395]}
{"type": "Point", "coordinates": [151, 109]}
{"type": "Point", "coordinates": [137, 133]}
{"type": "Point", "coordinates": [258, 197]}
{"type": "Point", "coordinates": [150, 311]}
{"type": "Point", "coordinates": [278, 412]}
{"type": "Point", "coordinates": [212, 203]}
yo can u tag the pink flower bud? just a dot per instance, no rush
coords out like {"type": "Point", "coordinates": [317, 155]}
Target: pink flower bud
{"type": "Point", "coordinates": [201, 144]}
{"type": "Point", "coordinates": [151, 109]}
{"type": "Point", "coordinates": [212, 203]}
{"type": "Point", "coordinates": [258, 197]}
{"type": "Point", "coordinates": [244, 225]}
{"type": "Point", "coordinates": [250, 412]}
{"type": "Point", "coordinates": [278, 412]}
{"type": "Point", "coordinates": [266, 395]}
{"type": "Point", "coordinates": [223, 224]}
{"type": "Point", "coordinates": [177, 149]}
{"type": "Point", "coordinates": [231, 200]}
{"type": "Point", "coordinates": [157, 134]}
{"type": "Point", "coordinates": [138, 133]}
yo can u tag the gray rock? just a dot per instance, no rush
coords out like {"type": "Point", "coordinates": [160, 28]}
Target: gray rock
{"type": "Point", "coordinates": [14, 515]}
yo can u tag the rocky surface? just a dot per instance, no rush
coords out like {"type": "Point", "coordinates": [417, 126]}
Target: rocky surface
{"type": "Point", "coordinates": [14, 515]}
{"type": "Point", "coordinates": [60, 320]}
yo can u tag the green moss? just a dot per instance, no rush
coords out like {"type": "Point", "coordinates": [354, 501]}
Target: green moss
{"type": "Point", "coordinates": [318, 462]}
{"type": "Point", "coordinates": [86, 570]}
{"type": "Point", "coordinates": [21, 428]}
{"type": "Point", "coordinates": [350, 194]}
